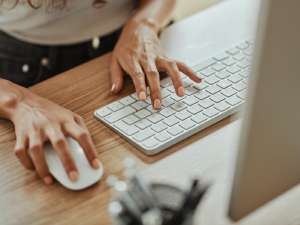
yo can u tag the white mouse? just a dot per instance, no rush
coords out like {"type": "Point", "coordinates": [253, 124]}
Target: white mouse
{"type": "Point", "coordinates": [87, 175]}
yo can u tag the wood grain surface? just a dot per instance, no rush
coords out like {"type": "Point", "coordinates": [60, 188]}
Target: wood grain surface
{"type": "Point", "coordinates": [24, 199]}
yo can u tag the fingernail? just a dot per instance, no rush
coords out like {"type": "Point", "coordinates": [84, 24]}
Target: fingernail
{"type": "Point", "coordinates": [96, 163]}
{"type": "Point", "coordinates": [113, 88]}
{"type": "Point", "coordinates": [181, 91]}
{"type": "Point", "coordinates": [142, 96]}
{"type": "Point", "coordinates": [48, 180]}
{"type": "Point", "coordinates": [199, 79]}
{"type": "Point", "coordinates": [157, 104]}
{"type": "Point", "coordinates": [73, 175]}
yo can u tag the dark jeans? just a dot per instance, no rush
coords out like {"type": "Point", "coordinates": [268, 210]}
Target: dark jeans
{"type": "Point", "coordinates": [27, 64]}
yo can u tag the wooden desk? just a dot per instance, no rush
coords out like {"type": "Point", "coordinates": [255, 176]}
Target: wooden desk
{"type": "Point", "coordinates": [24, 199]}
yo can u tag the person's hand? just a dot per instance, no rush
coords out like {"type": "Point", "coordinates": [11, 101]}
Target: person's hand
{"type": "Point", "coordinates": [38, 120]}
{"type": "Point", "coordinates": [138, 53]}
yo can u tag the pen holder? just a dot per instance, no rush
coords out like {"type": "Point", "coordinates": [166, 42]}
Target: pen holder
{"type": "Point", "coordinates": [169, 199]}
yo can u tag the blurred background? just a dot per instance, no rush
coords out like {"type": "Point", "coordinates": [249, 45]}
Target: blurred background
{"type": "Point", "coordinates": [189, 7]}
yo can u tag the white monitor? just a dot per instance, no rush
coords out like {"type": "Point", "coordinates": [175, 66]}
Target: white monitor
{"type": "Point", "coordinates": [268, 162]}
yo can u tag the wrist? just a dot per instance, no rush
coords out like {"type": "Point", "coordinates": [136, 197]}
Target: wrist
{"type": "Point", "coordinates": [146, 22]}
{"type": "Point", "coordinates": [9, 100]}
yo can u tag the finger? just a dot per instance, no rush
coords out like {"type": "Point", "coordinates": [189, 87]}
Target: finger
{"type": "Point", "coordinates": [154, 82]}
{"type": "Point", "coordinates": [188, 71]}
{"type": "Point", "coordinates": [38, 157]}
{"type": "Point", "coordinates": [172, 70]}
{"type": "Point", "coordinates": [117, 76]}
{"type": "Point", "coordinates": [21, 151]}
{"type": "Point", "coordinates": [83, 137]}
{"type": "Point", "coordinates": [133, 68]}
{"type": "Point", "coordinates": [61, 146]}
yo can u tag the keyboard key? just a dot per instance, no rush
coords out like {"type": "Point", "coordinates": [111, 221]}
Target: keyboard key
{"type": "Point", "coordinates": [103, 112]}
{"type": "Point", "coordinates": [204, 64]}
{"type": "Point", "coordinates": [166, 82]}
{"type": "Point", "coordinates": [127, 100]}
{"type": "Point", "coordinates": [222, 106]}
{"type": "Point", "coordinates": [213, 89]}
{"type": "Point", "coordinates": [244, 64]}
{"type": "Point", "coordinates": [155, 118]}
{"type": "Point", "coordinates": [142, 124]}
{"type": "Point", "coordinates": [206, 103]}
{"type": "Point", "coordinates": [125, 128]}
{"type": "Point", "coordinates": [151, 109]}
{"type": "Point", "coordinates": [221, 56]}
{"type": "Point", "coordinates": [242, 94]}
{"type": "Point", "coordinates": [218, 67]}
{"type": "Point", "coordinates": [164, 93]}
{"type": "Point", "coordinates": [233, 69]}
{"type": "Point", "coordinates": [190, 100]}
{"type": "Point", "coordinates": [207, 72]}
{"type": "Point", "coordinates": [211, 112]}
{"type": "Point", "coordinates": [224, 74]}
{"type": "Point", "coordinates": [243, 45]}
{"type": "Point", "coordinates": [172, 120]}
{"type": "Point", "coordinates": [167, 101]}
{"type": "Point", "coordinates": [187, 82]}
{"type": "Point", "coordinates": [119, 114]}
{"type": "Point", "coordinates": [171, 89]}
{"type": "Point", "coordinates": [142, 113]}
{"type": "Point", "coordinates": [212, 80]}
{"type": "Point", "coordinates": [134, 96]}
{"type": "Point", "coordinates": [233, 51]}
{"type": "Point", "coordinates": [228, 92]}
{"type": "Point", "coordinates": [200, 86]}
{"type": "Point", "coordinates": [139, 105]}
{"type": "Point", "coordinates": [217, 98]}
{"type": "Point", "coordinates": [187, 124]}
{"type": "Point", "coordinates": [183, 115]}
{"type": "Point", "coordinates": [195, 109]}
{"type": "Point", "coordinates": [144, 134]}
{"type": "Point", "coordinates": [249, 51]}
{"type": "Point", "coordinates": [131, 119]}
{"type": "Point", "coordinates": [163, 136]}
{"type": "Point", "coordinates": [229, 62]}
{"type": "Point", "coordinates": [239, 86]}
{"type": "Point", "coordinates": [224, 84]}
{"type": "Point", "coordinates": [158, 127]}
{"type": "Point", "coordinates": [199, 118]}
{"type": "Point", "coordinates": [240, 56]}
{"type": "Point", "coordinates": [235, 78]}
{"type": "Point", "coordinates": [179, 106]}
{"type": "Point", "coordinates": [202, 95]}
{"type": "Point", "coordinates": [150, 143]}
{"type": "Point", "coordinates": [176, 97]}
{"type": "Point", "coordinates": [190, 90]}
{"type": "Point", "coordinates": [115, 106]}
{"type": "Point", "coordinates": [167, 112]}
{"type": "Point", "coordinates": [233, 100]}
{"type": "Point", "coordinates": [175, 130]}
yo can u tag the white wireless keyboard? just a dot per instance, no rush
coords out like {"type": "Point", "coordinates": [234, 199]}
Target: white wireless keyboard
{"type": "Point", "coordinates": [221, 93]}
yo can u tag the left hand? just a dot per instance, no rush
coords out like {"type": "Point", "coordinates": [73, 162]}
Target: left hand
{"type": "Point", "coordinates": [139, 54]}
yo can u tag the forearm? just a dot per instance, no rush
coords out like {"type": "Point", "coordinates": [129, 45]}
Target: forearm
{"type": "Point", "coordinates": [10, 95]}
{"type": "Point", "coordinates": [155, 13]}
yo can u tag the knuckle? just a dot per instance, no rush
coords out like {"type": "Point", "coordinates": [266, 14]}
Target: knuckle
{"type": "Point", "coordinates": [83, 135]}
{"type": "Point", "coordinates": [36, 148]}
{"type": "Point", "coordinates": [152, 73]}
{"type": "Point", "coordinates": [19, 151]}
{"type": "Point", "coordinates": [60, 142]}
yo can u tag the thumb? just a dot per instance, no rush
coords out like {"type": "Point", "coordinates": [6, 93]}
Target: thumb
{"type": "Point", "coordinates": [117, 76]}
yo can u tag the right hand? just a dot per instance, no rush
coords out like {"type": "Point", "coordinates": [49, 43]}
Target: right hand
{"type": "Point", "coordinates": [38, 120]}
